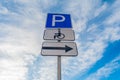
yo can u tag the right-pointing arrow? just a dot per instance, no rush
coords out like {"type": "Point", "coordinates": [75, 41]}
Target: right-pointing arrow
{"type": "Point", "coordinates": [66, 48]}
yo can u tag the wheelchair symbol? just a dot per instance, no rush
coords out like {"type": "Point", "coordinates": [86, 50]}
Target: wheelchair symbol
{"type": "Point", "coordinates": [59, 35]}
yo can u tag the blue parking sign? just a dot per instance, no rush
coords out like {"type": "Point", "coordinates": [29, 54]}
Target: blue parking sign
{"type": "Point", "coordinates": [58, 21]}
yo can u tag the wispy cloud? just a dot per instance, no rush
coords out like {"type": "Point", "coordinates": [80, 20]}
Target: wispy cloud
{"type": "Point", "coordinates": [20, 37]}
{"type": "Point", "coordinates": [21, 31]}
{"type": "Point", "coordinates": [93, 38]}
{"type": "Point", "coordinates": [106, 70]}
{"type": "Point", "coordinates": [12, 69]}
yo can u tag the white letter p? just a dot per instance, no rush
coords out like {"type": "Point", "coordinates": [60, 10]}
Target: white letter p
{"type": "Point", "coordinates": [54, 19]}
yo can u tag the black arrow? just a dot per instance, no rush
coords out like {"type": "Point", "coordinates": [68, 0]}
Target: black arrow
{"type": "Point", "coordinates": [66, 48]}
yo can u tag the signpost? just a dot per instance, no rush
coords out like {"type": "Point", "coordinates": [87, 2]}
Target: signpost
{"type": "Point", "coordinates": [59, 28]}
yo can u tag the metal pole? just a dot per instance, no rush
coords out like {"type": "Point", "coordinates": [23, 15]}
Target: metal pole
{"type": "Point", "coordinates": [59, 61]}
{"type": "Point", "coordinates": [59, 67]}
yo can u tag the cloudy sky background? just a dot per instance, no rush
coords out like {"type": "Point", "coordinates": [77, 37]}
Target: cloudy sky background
{"type": "Point", "coordinates": [97, 28]}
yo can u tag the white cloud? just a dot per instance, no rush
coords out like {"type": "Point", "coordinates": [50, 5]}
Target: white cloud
{"type": "Point", "coordinates": [112, 33]}
{"type": "Point", "coordinates": [12, 69]}
{"type": "Point", "coordinates": [3, 10]}
{"type": "Point", "coordinates": [48, 70]}
{"type": "Point", "coordinates": [114, 18]}
{"type": "Point", "coordinates": [20, 41]}
{"type": "Point", "coordinates": [101, 9]}
{"type": "Point", "coordinates": [90, 51]}
{"type": "Point", "coordinates": [82, 8]}
{"type": "Point", "coordinates": [87, 56]}
{"type": "Point", "coordinates": [16, 46]}
{"type": "Point", "coordinates": [41, 5]}
{"type": "Point", "coordinates": [92, 41]}
{"type": "Point", "coordinates": [106, 70]}
{"type": "Point", "coordinates": [23, 37]}
{"type": "Point", "coordinates": [82, 11]}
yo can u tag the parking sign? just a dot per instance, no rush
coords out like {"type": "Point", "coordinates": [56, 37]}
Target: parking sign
{"type": "Point", "coordinates": [58, 21]}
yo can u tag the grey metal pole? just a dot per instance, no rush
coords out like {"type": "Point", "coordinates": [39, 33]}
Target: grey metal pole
{"type": "Point", "coordinates": [59, 61]}
{"type": "Point", "coordinates": [59, 67]}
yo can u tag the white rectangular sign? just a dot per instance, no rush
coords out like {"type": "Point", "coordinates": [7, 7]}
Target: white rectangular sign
{"type": "Point", "coordinates": [59, 34]}
{"type": "Point", "coordinates": [59, 49]}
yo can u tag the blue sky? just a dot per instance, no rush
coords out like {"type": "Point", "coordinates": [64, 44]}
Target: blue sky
{"type": "Point", "coordinates": [97, 29]}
